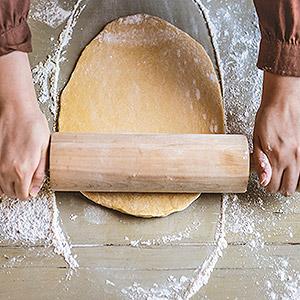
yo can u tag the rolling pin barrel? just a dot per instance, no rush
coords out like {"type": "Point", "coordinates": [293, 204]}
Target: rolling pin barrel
{"type": "Point", "coordinates": [163, 163]}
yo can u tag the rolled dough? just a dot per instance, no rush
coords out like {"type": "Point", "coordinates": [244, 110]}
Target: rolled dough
{"type": "Point", "coordinates": [142, 75]}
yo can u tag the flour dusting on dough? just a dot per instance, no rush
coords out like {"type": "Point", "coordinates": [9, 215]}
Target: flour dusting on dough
{"type": "Point", "coordinates": [135, 19]}
{"type": "Point", "coordinates": [137, 36]}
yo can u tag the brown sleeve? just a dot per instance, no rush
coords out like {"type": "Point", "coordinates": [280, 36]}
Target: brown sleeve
{"type": "Point", "coordinates": [279, 22]}
{"type": "Point", "coordinates": [14, 30]}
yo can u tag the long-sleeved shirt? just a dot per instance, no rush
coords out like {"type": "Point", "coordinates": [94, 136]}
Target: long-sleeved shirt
{"type": "Point", "coordinates": [14, 30]}
{"type": "Point", "coordinates": [279, 22]}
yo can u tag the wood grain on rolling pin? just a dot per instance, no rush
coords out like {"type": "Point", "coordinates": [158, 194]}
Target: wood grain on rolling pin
{"type": "Point", "coordinates": [186, 163]}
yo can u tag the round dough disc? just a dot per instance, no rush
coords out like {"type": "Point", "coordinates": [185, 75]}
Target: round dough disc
{"type": "Point", "coordinates": [142, 75]}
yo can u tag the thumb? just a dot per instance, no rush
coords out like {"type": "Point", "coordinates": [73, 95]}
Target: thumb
{"type": "Point", "coordinates": [262, 164]}
{"type": "Point", "coordinates": [39, 174]}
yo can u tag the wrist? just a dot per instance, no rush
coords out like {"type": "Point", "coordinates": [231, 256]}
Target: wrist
{"type": "Point", "coordinates": [19, 108]}
{"type": "Point", "coordinates": [281, 82]}
{"type": "Point", "coordinates": [280, 90]}
{"type": "Point", "coordinates": [16, 86]}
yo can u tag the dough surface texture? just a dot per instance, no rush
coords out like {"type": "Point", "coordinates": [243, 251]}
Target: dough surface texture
{"type": "Point", "coordinates": [142, 75]}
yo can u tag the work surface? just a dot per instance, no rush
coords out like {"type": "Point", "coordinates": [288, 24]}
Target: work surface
{"type": "Point", "coordinates": [115, 251]}
{"type": "Point", "coordinates": [123, 257]}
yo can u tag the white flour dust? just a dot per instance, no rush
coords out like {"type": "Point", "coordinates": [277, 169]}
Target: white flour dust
{"type": "Point", "coordinates": [46, 74]}
{"type": "Point", "coordinates": [203, 273]}
{"type": "Point", "coordinates": [49, 12]}
{"type": "Point", "coordinates": [34, 222]}
{"type": "Point", "coordinates": [135, 19]}
{"type": "Point", "coordinates": [46, 77]}
{"type": "Point", "coordinates": [247, 223]}
{"type": "Point", "coordinates": [95, 216]}
{"type": "Point", "coordinates": [236, 40]}
{"type": "Point", "coordinates": [171, 289]}
{"type": "Point", "coordinates": [136, 36]}
{"type": "Point", "coordinates": [167, 238]}
{"type": "Point", "coordinates": [28, 222]}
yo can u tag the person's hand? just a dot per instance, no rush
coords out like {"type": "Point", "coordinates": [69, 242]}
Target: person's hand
{"type": "Point", "coordinates": [277, 134]}
{"type": "Point", "coordinates": [24, 130]}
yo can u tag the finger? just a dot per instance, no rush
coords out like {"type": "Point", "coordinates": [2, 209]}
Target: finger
{"type": "Point", "coordinates": [289, 181]}
{"type": "Point", "coordinates": [275, 183]}
{"type": "Point", "coordinates": [1, 192]}
{"type": "Point", "coordinates": [262, 164]}
{"type": "Point", "coordinates": [22, 185]}
{"type": "Point", "coordinates": [39, 175]}
{"type": "Point", "coordinates": [8, 189]}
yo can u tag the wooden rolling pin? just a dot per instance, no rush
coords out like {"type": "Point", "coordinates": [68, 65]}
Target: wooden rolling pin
{"type": "Point", "coordinates": [170, 163]}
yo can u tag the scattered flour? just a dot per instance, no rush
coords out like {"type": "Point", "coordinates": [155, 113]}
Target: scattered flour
{"type": "Point", "coordinates": [96, 215]}
{"type": "Point", "coordinates": [136, 37]}
{"type": "Point", "coordinates": [184, 287]}
{"type": "Point", "coordinates": [236, 41]}
{"type": "Point", "coordinates": [203, 273]}
{"type": "Point", "coordinates": [243, 221]}
{"type": "Point", "coordinates": [167, 238]}
{"type": "Point", "coordinates": [33, 222]}
{"type": "Point", "coordinates": [12, 261]}
{"type": "Point", "coordinates": [108, 282]}
{"type": "Point", "coordinates": [171, 289]}
{"type": "Point", "coordinates": [46, 74]}
{"type": "Point", "coordinates": [27, 222]}
{"type": "Point", "coordinates": [49, 12]}
{"type": "Point", "coordinates": [73, 217]}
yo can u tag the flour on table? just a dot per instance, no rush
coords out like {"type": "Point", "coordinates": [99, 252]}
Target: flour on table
{"type": "Point", "coordinates": [171, 289]}
{"type": "Point", "coordinates": [34, 222]}
{"type": "Point", "coordinates": [184, 287]}
{"type": "Point", "coordinates": [243, 221]}
{"type": "Point", "coordinates": [95, 215]}
{"type": "Point", "coordinates": [108, 282]}
{"type": "Point", "coordinates": [167, 238]}
{"type": "Point", "coordinates": [28, 222]}
{"type": "Point", "coordinates": [49, 12]}
{"type": "Point", "coordinates": [46, 74]}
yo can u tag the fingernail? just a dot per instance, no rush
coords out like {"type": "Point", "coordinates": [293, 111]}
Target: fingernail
{"type": "Point", "coordinates": [264, 183]}
{"type": "Point", "coordinates": [34, 191]}
{"type": "Point", "coordinates": [263, 179]}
